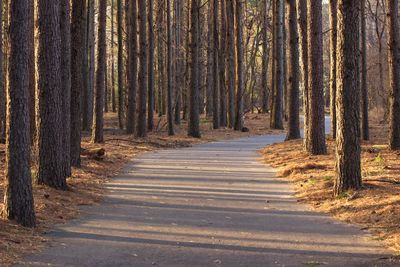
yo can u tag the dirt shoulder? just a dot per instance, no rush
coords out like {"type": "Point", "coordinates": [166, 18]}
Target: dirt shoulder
{"type": "Point", "coordinates": [376, 207]}
{"type": "Point", "coordinates": [86, 184]}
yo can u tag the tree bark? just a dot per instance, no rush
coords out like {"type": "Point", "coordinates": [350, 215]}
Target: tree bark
{"type": "Point", "coordinates": [277, 104]}
{"type": "Point", "coordinates": [141, 130]}
{"type": "Point", "coordinates": [50, 168]}
{"type": "Point", "coordinates": [265, 59]}
{"type": "Point", "coordinates": [2, 87]}
{"type": "Point", "coordinates": [231, 61]}
{"type": "Point", "coordinates": [77, 58]}
{"type": "Point", "coordinates": [222, 65]}
{"type": "Point", "coordinates": [293, 90]}
{"type": "Point", "coordinates": [170, 113]}
{"type": "Point", "coordinates": [348, 149]}
{"type": "Point", "coordinates": [332, 79]}
{"type": "Point", "coordinates": [394, 74]}
{"type": "Point", "coordinates": [239, 123]}
{"type": "Point", "coordinates": [215, 50]}
{"type": "Point", "coordinates": [65, 25]}
{"type": "Point", "coordinates": [194, 117]}
{"type": "Point", "coordinates": [121, 66]}
{"type": "Point", "coordinates": [113, 102]}
{"type": "Point", "coordinates": [150, 103]}
{"type": "Point", "coordinates": [98, 121]}
{"type": "Point", "coordinates": [133, 65]}
{"type": "Point", "coordinates": [32, 71]}
{"type": "Point", "coordinates": [315, 144]}
{"type": "Point", "coordinates": [210, 76]}
{"type": "Point", "coordinates": [364, 72]}
{"type": "Point", "coordinates": [18, 197]}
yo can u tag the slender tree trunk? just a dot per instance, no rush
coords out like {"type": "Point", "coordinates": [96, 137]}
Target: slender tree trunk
{"type": "Point", "coordinates": [315, 144]}
{"type": "Point", "coordinates": [215, 40]}
{"type": "Point", "coordinates": [66, 84]}
{"type": "Point", "coordinates": [178, 61]}
{"type": "Point", "coordinates": [332, 83]}
{"type": "Point", "coordinates": [32, 71]}
{"type": "Point", "coordinates": [98, 122]}
{"type": "Point", "coordinates": [293, 90]}
{"type": "Point", "coordinates": [133, 65]}
{"type": "Point", "coordinates": [277, 106]}
{"type": "Point", "coordinates": [87, 108]}
{"type": "Point", "coordinates": [222, 66]}
{"type": "Point", "coordinates": [265, 59]}
{"type": "Point", "coordinates": [18, 197]}
{"type": "Point", "coordinates": [239, 123]}
{"type": "Point", "coordinates": [194, 118]}
{"type": "Point", "coordinates": [210, 76]}
{"type": "Point", "coordinates": [364, 85]}
{"type": "Point", "coordinates": [121, 65]}
{"type": "Point", "coordinates": [161, 58]}
{"type": "Point", "coordinates": [170, 112]}
{"type": "Point", "coordinates": [141, 130]}
{"type": "Point", "coordinates": [113, 102]}
{"type": "Point", "coordinates": [348, 149]}
{"type": "Point", "coordinates": [150, 103]}
{"type": "Point", "coordinates": [77, 80]}
{"type": "Point", "coordinates": [231, 61]}
{"type": "Point", "coordinates": [51, 170]}
{"type": "Point", "coordinates": [394, 74]}
{"type": "Point", "coordinates": [2, 87]}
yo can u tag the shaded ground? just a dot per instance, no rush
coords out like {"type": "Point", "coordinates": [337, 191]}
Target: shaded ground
{"type": "Point", "coordinates": [86, 185]}
{"type": "Point", "coordinates": [209, 205]}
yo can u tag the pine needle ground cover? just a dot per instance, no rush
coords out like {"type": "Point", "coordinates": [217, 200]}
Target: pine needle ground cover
{"type": "Point", "coordinates": [375, 208]}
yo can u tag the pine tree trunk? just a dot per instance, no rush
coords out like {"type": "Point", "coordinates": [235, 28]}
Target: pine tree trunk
{"type": "Point", "coordinates": [277, 104]}
{"type": "Point", "coordinates": [32, 71]}
{"type": "Point", "coordinates": [178, 61]}
{"type": "Point", "coordinates": [210, 76]}
{"type": "Point", "coordinates": [150, 103]}
{"type": "Point", "coordinates": [66, 84]}
{"type": "Point", "coordinates": [141, 130]}
{"type": "Point", "coordinates": [51, 170]}
{"type": "Point", "coordinates": [394, 73]}
{"type": "Point", "coordinates": [194, 118]}
{"type": "Point", "coordinates": [18, 197]}
{"type": "Point", "coordinates": [348, 149]}
{"type": "Point", "coordinates": [239, 123]}
{"type": "Point", "coordinates": [133, 65]}
{"type": "Point", "coordinates": [364, 85]}
{"type": "Point", "coordinates": [332, 78]}
{"type": "Point", "coordinates": [294, 68]}
{"type": "Point", "coordinates": [170, 113]}
{"type": "Point", "coordinates": [87, 108]}
{"type": "Point", "coordinates": [121, 67]}
{"type": "Point", "coordinates": [2, 87]}
{"type": "Point", "coordinates": [98, 122]}
{"type": "Point", "coordinates": [315, 144]}
{"type": "Point", "coordinates": [222, 66]}
{"type": "Point", "coordinates": [113, 102]}
{"type": "Point", "coordinates": [215, 50]}
{"type": "Point", "coordinates": [231, 61]}
{"type": "Point", "coordinates": [265, 59]}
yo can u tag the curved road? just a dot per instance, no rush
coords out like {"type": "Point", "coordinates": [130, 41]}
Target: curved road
{"type": "Point", "coordinates": [209, 205]}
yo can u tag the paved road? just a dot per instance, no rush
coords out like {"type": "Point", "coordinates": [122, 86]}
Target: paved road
{"type": "Point", "coordinates": [209, 205]}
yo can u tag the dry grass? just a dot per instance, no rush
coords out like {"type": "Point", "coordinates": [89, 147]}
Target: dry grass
{"type": "Point", "coordinates": [376, 207]}
{"type": "Point", "coordinates": [86, 185]}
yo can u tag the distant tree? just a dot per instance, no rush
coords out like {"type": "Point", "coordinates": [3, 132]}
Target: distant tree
{"type": "Point", "coordinates": [240, 66]}
{"type": "Point", "coordinates": [215, 51]}
{"type": "Point", "coordinates": [364, 72]}
{"type": "Point", "coordinates": [88, 91]}
{"type": "Point", "coordinates": [170, 113]}
{"type": "Point", "coordinates": [18, 197]}
{"type": "Point", "coordinates": [277, 97]}
{"type": "Point", "coordinates": [332, 51]}
{"type": "Point", "coordinates": [265, 58]}
{"type": "Point", "coordinates": [231, 62]}
{"type": "Point", "coordinates": [150, 101]}
{"type": "Point", "coordinates": [32, 71]}
{"type": "Point", "coordinates": [348, 148]}
{"type": "Point", "coordinates": [98, 121]}
{"type": "Point", "coordinates": [121, 65]}
{"type": "Point", "coordinates": [210, 65]}
{"type": "Point", "coordinates": [141, 130]}
{"type": "Point", "coordinates": [394, 73]}
{"type": "Point", "coordinates": [113, 101]}
{"type": "Point", "coordinates": [78, 34]}
{"type": "Point", "coordinates": [315, 141]}
{"type": "Point", "coordinates": [222, 64]}
{"type": "Point", "coordinates": [133, 65]}
{"type": "Point", "coordinates": [51, 170]}
{"type": "Point", "coordinates": [194, 118]}
{"type": "Point", "coordinates": [293, 88]}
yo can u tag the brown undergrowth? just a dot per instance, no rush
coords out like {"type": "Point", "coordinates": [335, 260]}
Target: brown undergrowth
{"type": "Point", "coordinates": [86, 184]}
{"type": "Point", "coordinates": [375, 207]}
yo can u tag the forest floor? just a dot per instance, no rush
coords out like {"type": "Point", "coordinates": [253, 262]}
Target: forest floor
{"type": "Point", "coordinates": [375, 208]}
{"type": "Point", "coordinates": [86, 186]}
